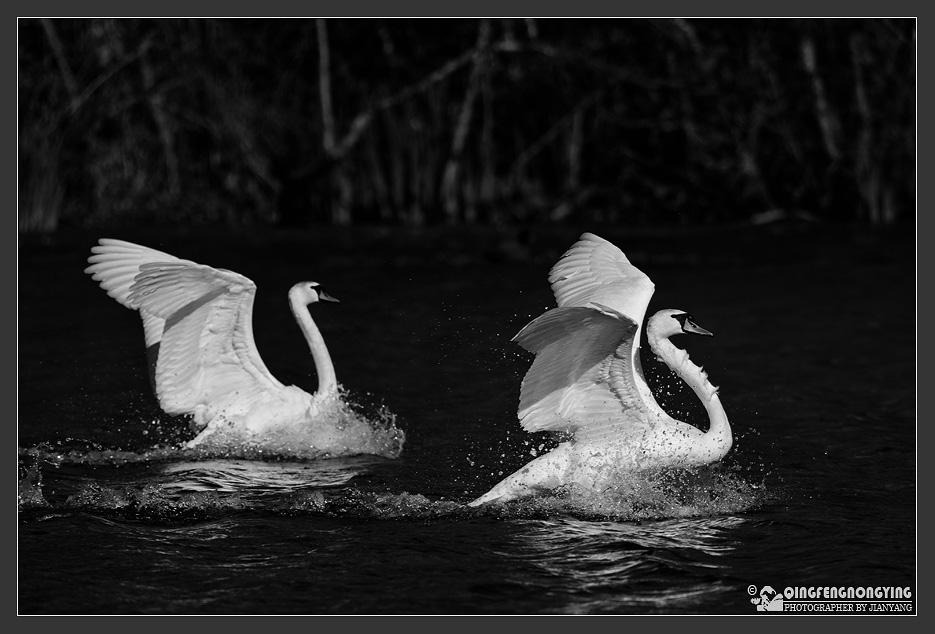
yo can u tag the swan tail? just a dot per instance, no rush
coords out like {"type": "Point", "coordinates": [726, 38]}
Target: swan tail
{"type": "Point", "coordinates": [210, 429]}
{"type": "Point", "coordinates": [539, 476]}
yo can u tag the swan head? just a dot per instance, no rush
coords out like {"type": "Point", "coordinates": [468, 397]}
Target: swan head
{"type": "Point", "coordinates": [310, 293]}
{"type": "Point", "coordinates": [670, 321]}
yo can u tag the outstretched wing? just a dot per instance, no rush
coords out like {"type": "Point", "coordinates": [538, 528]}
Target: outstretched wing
{"type": "Point", "coordinates": [595, 272]}
{"type": "Point", "coordinates": [197, 318]}
{"type": "Point", "coordinates": [586, 376]}
{"type": "Point", "coordinates": [115, 264]}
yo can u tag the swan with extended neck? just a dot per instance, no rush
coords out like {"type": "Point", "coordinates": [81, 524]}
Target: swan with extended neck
{"type": "Point", "coordinates": [198, 326]}
{"type": "Point", "coordinates": [586, 381]}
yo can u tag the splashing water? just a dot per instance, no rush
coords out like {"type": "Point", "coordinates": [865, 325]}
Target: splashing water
{"type": "Point", "coordinates": [283, 472]}
{"type": "Point", "coordinates": [29, 493]}
{"type": "Point", "coordinates": [342, 429]}
{"type": "Point", "coordinates": [645, 496]}
{"type": "Point", "coordinates": [160, 486]}
{"type": "Point", "coordinates": [172, 484]}
{"type": "Point", "coordinates": [346, 428]}
{"type": "Point", "coordinates": [212, 475]}
{"type": "Point", "coordinates": [641, 498]}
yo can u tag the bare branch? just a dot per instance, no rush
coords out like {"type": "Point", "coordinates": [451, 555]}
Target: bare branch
{"type": "Point", "coordinates": [550, 135]}
{"type": "Point", "coordinates": [822, 107]}
{"type": "Point", "coordinates": [78, 102]}
{"type": "Point", "coordinates": [452, 168]}
{"type": "Point", "coordinates": [59, 52]}
{"type": "Point", "coordinates": [363, 120]}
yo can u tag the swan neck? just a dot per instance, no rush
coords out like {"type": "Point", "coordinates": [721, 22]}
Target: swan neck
{"type": "Point", "coordinates": [327, 381]}
{"type": "Point", "coordinates": [678, 361]}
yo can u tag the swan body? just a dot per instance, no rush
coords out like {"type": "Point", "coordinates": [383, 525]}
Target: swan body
{"type": "Point", "coordinates": [198, 326]}
{"type": "Point", "coordinates": [586, 381]}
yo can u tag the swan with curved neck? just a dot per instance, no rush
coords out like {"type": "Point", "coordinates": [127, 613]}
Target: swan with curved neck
{"type": "Point", "coordinates": [198, 325]}
{"type": "Point", "coordinates": [301, 296]}
{"type": "Point", "coordinates": [586, 381]}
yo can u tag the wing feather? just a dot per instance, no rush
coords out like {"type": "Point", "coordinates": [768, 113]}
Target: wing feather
{"type": "Point", "coordinates": [586, 375]}
{"type": "Point", "coordinates": [569, 386]}
{"type": "Point", "coordinates": [200, 316]}
{"type": "Point", "coordinates": [595, 271]}
{"type": "Point", "coordinates": [115, 264]}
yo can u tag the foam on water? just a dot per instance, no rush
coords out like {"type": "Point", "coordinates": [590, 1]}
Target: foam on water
{"type": "Point", "coordinates": [306, 471]}
{"type": "Point", "coordinates": [341, 429]}
{"type": "Point", "coordinates": [216, 474]}
{"type": "Point", "coordinates": [621, 493]}
{"type": "Point", "coordinates": [184, 490]}
{"type": "Point", "coordinates": [648, 495]}
{"type": "Point", "coordinates": [345, 428]}
{"type": "Point", "coordinates": [29, 493]}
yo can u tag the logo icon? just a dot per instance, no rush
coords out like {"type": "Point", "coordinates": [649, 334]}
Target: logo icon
{"type": "Point", "coordinates": [767, 600]}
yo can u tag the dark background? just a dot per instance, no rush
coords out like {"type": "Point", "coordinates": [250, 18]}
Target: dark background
{"type": "Point", "coordinates": [247, 123]}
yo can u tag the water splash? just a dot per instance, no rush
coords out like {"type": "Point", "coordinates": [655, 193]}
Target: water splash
{"type": "Point", "coordinates": [167, 479]}
{"type": "Point", "coordinates": [187, 490]}
{"type": "Point", "coordinates": [29, 494]}
{"type": "Point", "coordinates": [343, 429]}
{"type": "Point", "coordinates": [198, 489]}
{"type": "Point", "coordinates": [153, 502]}
{"type": "Point", "coordinates": [375, 505]}
{"type": "Point", "coordinates": [624, 495]}
{"type": "Point", "coordinates": [349, 428]}
{"type": "Point", "coordinates": [616, 493]}
{"type": "Point", "coordinates": [644, 500]}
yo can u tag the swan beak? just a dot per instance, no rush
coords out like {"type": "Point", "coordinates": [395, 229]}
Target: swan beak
{"type": "Point", "coordinates": [691, 327]}
{"type": "Point", "coordinates": [323, 296]}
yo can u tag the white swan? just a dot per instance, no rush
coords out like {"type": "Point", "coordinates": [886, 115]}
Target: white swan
{"type": "Point", "coordinates": [198, 324]}
{"type": "Point", "coordinates": [586, 380]}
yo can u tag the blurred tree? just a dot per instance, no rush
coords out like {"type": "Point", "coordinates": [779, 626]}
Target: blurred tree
{"type": "Point", "coordinates": [415, 121]}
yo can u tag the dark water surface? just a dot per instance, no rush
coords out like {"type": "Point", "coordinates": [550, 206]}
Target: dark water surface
{"type": "Point", "coordinates": [814, 354]}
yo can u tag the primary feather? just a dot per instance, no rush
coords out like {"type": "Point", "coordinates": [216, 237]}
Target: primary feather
{"type": "Point", "coordinates": [199, 316]}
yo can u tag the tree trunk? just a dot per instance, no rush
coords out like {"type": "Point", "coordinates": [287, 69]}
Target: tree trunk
{"type": "Point", "coordinates": [450, 179]}
{"type": "Point", "coordinates": [823, 111]}
{"type": "Point", "coordinates": [340, 192]}
{"type": "Point", "coordinates": [166, 134]}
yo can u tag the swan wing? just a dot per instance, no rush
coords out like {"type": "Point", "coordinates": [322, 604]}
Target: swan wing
{"type": "Point", "coordinates": [115, 264]}
{"type": "Point", "coordinates": [594, 271]}
{"type": "Point", "coordinates": [200, 317]}
{"type": "Point", "coordinates": [581, 380]}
